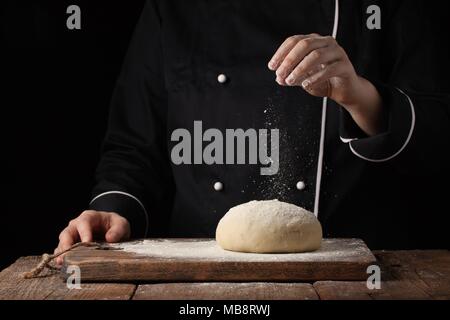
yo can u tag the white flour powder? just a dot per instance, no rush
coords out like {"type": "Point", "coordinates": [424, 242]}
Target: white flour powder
{"type": "Point", "coordinates": [194, 249]}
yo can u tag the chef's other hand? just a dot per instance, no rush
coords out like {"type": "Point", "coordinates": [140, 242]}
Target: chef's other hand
{"type": "Point", "coordinates": [321, 66]}
{"type": "Point", "coordinates": [92, 225]}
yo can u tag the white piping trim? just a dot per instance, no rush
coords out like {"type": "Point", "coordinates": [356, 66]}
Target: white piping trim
{"type": "Point", "coordinates": [323, 125]}
{"type": "Point", "coordinates": [348, 140]}
{"type": "Point", "coordinates": [320, 161]}
{"type": "Point", "coordinates": [411, 131]}
{"type": "Point", "coordinates": [128, 195]}
{"type": "Point", "coordinates": [336, 19]}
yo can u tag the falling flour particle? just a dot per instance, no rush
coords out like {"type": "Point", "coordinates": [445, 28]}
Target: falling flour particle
{"type": "Point", "coordinates": [276, 186]}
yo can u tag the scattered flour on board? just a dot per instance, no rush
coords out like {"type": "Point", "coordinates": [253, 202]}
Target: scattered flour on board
{"type": "Point", "coordinates": [196, 249]}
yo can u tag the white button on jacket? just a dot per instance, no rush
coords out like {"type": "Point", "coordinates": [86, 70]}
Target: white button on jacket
{"type": "Point", "coordinates": [221, 78]}
{"type": "Point", "coordinates": [301, 185]}
{"type": "Point", "coordinates": [218, 186]}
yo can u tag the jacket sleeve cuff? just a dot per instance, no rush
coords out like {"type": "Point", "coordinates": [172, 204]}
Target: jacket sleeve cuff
{"type": "Point", "coordinates": [126, 205]}
{"type": "Point", "coordinates": [389, 144]}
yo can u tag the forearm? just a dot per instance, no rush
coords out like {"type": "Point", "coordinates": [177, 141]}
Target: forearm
{"type": "Point", "coordinates": [366, 108]}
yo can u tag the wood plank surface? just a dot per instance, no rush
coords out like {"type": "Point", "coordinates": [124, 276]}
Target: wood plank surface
{"type": "Point", "coordinates": [357, 290]}
{"type": "Point", "coordinates": [429, 271]}
{"type": "Point", "coordinates": [406, 275]}
{"type": "Point", "coordinates": [95, 291]}
{"type": "Point", "coordinates": [51, 285]}
{"type": "Point", "coordinates": [14, 287]}
{"type": "Point", "coordinates": [226, 291]}
{"type": "Point", "coordinates": [180, 260]}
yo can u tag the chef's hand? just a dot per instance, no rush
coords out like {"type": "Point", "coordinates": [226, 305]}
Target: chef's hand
{"type": "Point", "coordinates": [321, 66]}
{"type": "Point", "coordinates": [93, 224]}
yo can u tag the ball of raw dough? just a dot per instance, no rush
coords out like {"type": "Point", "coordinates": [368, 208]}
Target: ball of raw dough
{"type": "Point", "coordinates": [269, 227]}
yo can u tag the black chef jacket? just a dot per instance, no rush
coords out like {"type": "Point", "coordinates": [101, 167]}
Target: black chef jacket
{"type": "Point", "coordinates": [383, 189]}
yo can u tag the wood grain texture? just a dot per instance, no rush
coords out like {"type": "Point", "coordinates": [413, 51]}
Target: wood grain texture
{"type": "Point", "coordinates": [14, 287]}
{"type": "Point", "coordinates": [406, 275]}
{"type": "Point", "coordinates": [226, 291]}
{"type": "Point", "coordinates": [95, 291]}
{"type": "Point", "coordinates": [428, 271]}
{"type": "Point", "coordinates": [357, 290]}
{"type": "Point", "coordinates": [115, 265]}
{"type": "Point", "coordinates": [50, 285]}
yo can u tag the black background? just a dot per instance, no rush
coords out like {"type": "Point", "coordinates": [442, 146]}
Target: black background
{"type": "Point", "coordinates": [55, 91]}
{"type": "Point", "coordinates": [56, 85]}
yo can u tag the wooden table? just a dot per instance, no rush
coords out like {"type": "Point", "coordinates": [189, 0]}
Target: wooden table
{"type": "Point", "coordinates": [405, 275]}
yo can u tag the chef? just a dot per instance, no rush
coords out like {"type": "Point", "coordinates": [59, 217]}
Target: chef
{"type": "Point", "coordinates": [358, 116]}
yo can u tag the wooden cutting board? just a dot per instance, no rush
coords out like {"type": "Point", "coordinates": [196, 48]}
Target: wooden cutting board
{"type": "Point", "coordinates": [203, 260]}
